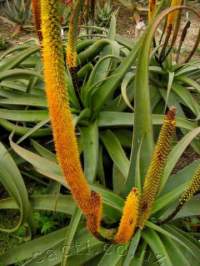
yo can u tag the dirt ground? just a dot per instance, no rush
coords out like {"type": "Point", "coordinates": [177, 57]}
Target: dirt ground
{"type": "Point", "coordinates": [126, 25]}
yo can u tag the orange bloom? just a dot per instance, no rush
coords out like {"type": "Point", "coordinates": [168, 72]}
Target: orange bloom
{"type": "Point", "coordinates": [129, 218]}
{"type": "Point", "coordinates": [59, 111]}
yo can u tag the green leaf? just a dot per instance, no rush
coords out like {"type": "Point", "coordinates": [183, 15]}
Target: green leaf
{"type": "Point", "coordinates": [190, 82]}
{"type": "Point", "coordinates": [13, 182]}
{"type": "Point", "coordinates": [62, 204]}
{"type": "Point", "coordinates": [41, 164]}
{"type": "Point", "coordinates": [19, 73]}
{"type": "Point", "coordinates": [169, 86]}
{"type": "Point", "coordinates": [102, 67]}
{"type": "Point", "coordinates": [157, 246]}
{"type": "Point", "coordinates": [113, 203]}
{"type": "Point", "coordinates": [14, 61]}
{"type": "Point", "coordinates": [143, 119]}
{"type": "Point", "coordinates": [164, 232]}
{"type": "Point", "coordinates": [139, 258]}
{"type": "Point", "coordinates": [113, 255]}
{"type": "Point", "coordinates": [191, 243]}
{"type": "Point", "coordinates": [73, 227]}
{"type": "Point", "coordinates": [123, 119]}
{"type": "Point", "coordinates": [132, 249]}
{"type": "Point", "coordinates": [109, 86]}
{"type": "Point", "coordinates": [84, 248]}
{"type": "Point", "coordinates": [175, 187]}
{"type": "Point", "coordinates": [115, 151]}
{"type": "Point", "coordinates": [24, 115]}
{"type": "Point", "coordinates": [187, 98]}
{"type": "Point", "coordinates": [176, 153]}
{"type": "Point", "coordinates": [118, 180]}
{"type": "Point", "coordinates": [191, 208]}
{"type": "Point", "coordinates": [176, 253]}
{"type": "Point", "coordinates": [90, 141]}
{"type": "Point", "coordinates": [124, 93]}
{"type": "Point", "coordinates": [25, 131]}
{"type": "Point", "coordinates": [34, 248]}
{"type": "Point", "coordinates": [43, 151]}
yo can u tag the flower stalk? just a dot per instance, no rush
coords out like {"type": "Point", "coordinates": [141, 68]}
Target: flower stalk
{"type": "Point", "coordinates": [192, 189]}
{"type": "Point", "coordinates": [171, 19]}
{"type": "Point", "coordinates": [58, 103]}
{"type": "Point", "coordinates": [156, 167]}
{"type": "Point", "coordinates": [151, 10]}
{"type": "Point", "coordinates": [71, 53]}
{"type": "Point", "coordinates": [36, 11]}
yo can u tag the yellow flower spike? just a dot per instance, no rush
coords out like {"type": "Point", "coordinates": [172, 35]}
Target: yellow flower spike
{"type": "Point", "coordinates": [59, 110]}
{"type": "Point", "coordinates": [151, 9]}
{"type": "Point", "coordinates": [155, 170]}
{"type": "Point", "coordinates": [129, 218]}
{"type": "Point", "coordinates": [192, 189]}
{"type": "Point", "coordinates": [72, 56]}
{"type": "Point", "coordinates": [171, 19]}
{"type": "Point", "coordinates": [37, 17]}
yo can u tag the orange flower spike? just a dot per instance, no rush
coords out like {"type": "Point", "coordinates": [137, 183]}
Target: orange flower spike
{"type": "Point", "coordinates": [171, 19]}
{"type": "Point", "coordinates": [36, 11]}
{"type": "Point", "coordinates": [59, 110]}
{"type": "Point", "coordinates": [129, 218]}
{"type": "Point", "coordinates": [156, 168]}
{"type": "Point", "coordinates": [72, 56]}
{"type": "Point", "coordinates": [152, 9]}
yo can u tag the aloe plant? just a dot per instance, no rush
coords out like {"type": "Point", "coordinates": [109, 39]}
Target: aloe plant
{"type": "Point", "coordinates": [99, 120]}
{"type": "Point", "coordinates": [18, 11]}
{"type": "Point", "coordinates": [103, 14]}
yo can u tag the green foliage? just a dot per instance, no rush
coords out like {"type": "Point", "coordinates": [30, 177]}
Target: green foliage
{"type": "Point", "coordinates": [120, 90]}
{"type": "Point", "coordinates": [18, 11]}
{"type": "Point", "coordinates": [103, 14]}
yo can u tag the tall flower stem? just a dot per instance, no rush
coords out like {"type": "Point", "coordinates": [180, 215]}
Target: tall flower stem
{"type": "Point", "coordinates": [71, 52]}
{"type": "Point", "coordinates": [151, 10]}
{"type": "Point", "coordinates": [61, 117]}
{"type": "Point", "coordinates": [156, 167]}
{"type": "Point", "coordinates": [36, 11]}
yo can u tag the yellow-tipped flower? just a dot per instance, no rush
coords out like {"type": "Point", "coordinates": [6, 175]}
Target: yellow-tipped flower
{"type": "Point", "coordinates": [59, 110]}
{"type": "Point", "coordinates": [129, 218]}
{"type": "Point", "coordinates": [192, 189]}
{"type": "Point", "coordinates": [72, 56]}
{"type": "Point", "coordinates": [155, 170]}
{"type": "Point", "coordinates": [152, 9]}
{"type": "Point", "coordinates": [171, 19]}
{"type": "Point", "coordinates": [36, 11]}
